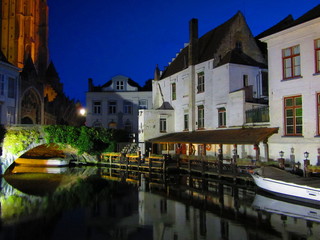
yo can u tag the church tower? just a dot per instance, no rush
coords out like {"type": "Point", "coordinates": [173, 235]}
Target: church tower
{"type": "Point", "coordinates": [24, 32]}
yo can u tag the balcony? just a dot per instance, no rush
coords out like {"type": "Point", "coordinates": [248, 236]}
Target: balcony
{"type": "Point", "coordinates": [257, 115]}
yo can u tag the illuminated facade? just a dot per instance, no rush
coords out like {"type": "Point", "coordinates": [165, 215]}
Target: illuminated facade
{"type": "Point", "coordinates": [24, 32]}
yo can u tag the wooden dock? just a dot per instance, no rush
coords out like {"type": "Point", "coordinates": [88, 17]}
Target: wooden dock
{"type": "Point", "coordinates": [165, 164]}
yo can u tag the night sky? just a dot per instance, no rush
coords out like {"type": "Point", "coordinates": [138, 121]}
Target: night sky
{"type": "Point", "coordinates": [100, 39]}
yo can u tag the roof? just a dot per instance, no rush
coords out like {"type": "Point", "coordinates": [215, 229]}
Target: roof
{"type": "Point", "coordinates": [236, 56]}
{"type": "Point", "coordinates": [208, 45]}
{"type": "Point", "coordinates": [289, 22]}
{"type": "Point", "coordinates": [223, 136]}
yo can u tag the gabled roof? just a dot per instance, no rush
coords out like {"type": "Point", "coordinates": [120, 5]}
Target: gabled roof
{"type": "Point", "coordinates": [51, 71]}
{"type": "Point", "coordinates": [208, 45]}
{"type": "Point", "coordinates": [3, 58]}
{"type": "Point", "coordinates": [225, 136]}
{"type": "Point", "coordinates": [236, 56]}
{"type": "Point", "coordinates": [289, 22]}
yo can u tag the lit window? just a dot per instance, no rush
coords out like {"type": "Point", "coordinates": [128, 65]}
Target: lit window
{"type": "Point", "coordinates": [127, 107]}
{"type": "Point", "coordinates": [174, 92]}
{"type": "Point", "coordinates": [186, 122]}
{"type": "Point", "coordinates": [245, 80]}
{"type": "Point", "coordinates": [120, 85]}
{"type": "Point", "coordinates": [291, 62]}
{"type": "Point", "coordinates": [200, 82]}
{"type": "Point", "coordinates": [112, 107]}
{"type": "Point", "coordinates": [317, 54]}
{"type": "Point", "coordinates": [96, 107]}
{"type": "Point", "coordinates": [143, 104]}
{"type": "Point", "coordinates": [222, 117]}
{"type": "Point", "coordinates": [293, 115]}
{"type": "Point", "coordinates": [200, 117]}
{"type": "Point", "coordinates": [163, 125]}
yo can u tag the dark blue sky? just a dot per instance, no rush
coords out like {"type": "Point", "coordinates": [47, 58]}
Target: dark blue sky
{"type": "Point", "coordinates": [100, 38]}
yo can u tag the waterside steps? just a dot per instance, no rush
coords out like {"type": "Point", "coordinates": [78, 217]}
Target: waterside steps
{"type": "Point", "coordinates": [166, 164]}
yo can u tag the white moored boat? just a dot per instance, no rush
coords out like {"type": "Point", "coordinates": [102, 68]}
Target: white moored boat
{"type": "Point", "coordinates": [287, 185]}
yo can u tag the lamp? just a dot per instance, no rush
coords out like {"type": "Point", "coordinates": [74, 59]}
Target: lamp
{"type": "Point", "coordinates": [281, 153]}
{"type": "Point", "coordinates": [306, 155]}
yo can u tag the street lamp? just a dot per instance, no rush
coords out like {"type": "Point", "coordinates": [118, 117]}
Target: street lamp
{"type": "Point", "coordinates": [306, 155]}
{"type": "Point", "coordinates": [281, 153]}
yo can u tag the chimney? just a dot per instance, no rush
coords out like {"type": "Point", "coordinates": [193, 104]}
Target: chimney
{"type": "Point", "coordinates": [193, 41]}
{"type": "Point", "coordinates": [90, 85]}
{"type": "Point", "coordinates": [157, 73]}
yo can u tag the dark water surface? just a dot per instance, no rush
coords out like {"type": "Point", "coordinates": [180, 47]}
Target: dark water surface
{"type": "Point", "coordinates": [100, 203]}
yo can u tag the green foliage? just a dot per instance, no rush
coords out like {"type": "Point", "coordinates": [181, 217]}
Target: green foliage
{"type": "Point", "coordinates": [18, 140]}
{"type": "Point", "coordinates": [93, 141]}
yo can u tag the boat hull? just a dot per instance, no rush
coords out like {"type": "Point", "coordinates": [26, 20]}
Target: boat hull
{"type": "Point", "coordinates": [42, 162]}
{"type": "Point", "coordinates": [287, 189]}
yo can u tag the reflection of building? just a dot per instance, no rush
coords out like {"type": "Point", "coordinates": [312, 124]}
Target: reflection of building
{"type": "Point", "coordinates": [210, 84]}
{"type": "Point", "coordinates": [116, 103]}
{"type": "Point", "coordinates": [9, 78]}
{"type": "Point", "coordinates": [24, 42]}
{"type": "Point", "coordinates": [294, 85]}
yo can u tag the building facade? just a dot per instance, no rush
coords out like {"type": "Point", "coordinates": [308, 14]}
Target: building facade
{"type": "Point", "coordinates": [116, 104]}
{"type": "Point", "coordinates": [210, 84]}
{"type": "Point", "coordinates": [9, 87]}
{"type": "Point", "coordinates": [294, 86]}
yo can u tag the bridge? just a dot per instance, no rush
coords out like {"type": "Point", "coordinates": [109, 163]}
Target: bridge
{"type": "Point", "coordinates": [31, 141]}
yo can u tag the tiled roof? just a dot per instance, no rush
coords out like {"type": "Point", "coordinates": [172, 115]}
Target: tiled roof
{"type": "Point", "coordinates": [225, 136]}
{"type": "Point", "coordinates": [238, 57]}
{"type": "Point", "coordinates": [207, 46]}
{"type": "Point", "coordinates": [289, 22]}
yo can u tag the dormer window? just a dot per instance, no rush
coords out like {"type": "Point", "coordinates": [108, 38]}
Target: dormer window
{"type": "Point", "coordinates": [120, 85]}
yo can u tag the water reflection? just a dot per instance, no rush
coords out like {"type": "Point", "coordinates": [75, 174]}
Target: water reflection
{"type": "Point", "coordinates": [101, 203]}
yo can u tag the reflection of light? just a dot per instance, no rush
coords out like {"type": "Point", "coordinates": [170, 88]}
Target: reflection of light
{"type": "Point", "coordinates": [82, 111]}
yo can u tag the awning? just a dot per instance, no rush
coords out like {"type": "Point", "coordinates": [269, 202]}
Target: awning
{"type": "Point", "coordinates": [223, 136]}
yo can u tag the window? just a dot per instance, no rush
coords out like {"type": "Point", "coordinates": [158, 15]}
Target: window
{"type": "Point", "coordinates": [11, 88]}
{"type": "Point", "coordinates": [96, 107]}
{"type": "Point", "coordinates": [317, 54]}
{"type": "Point", "coordinates": [186, 122]}
{"type": "Point", "coordinates": [163, 125]}
{"type": "Point", "coordinates": [127, 126]}
{"type": "Point", "coordinates": [291, 62]}
{"type": "Point", "coordinates": [112, 107]}
{"type": "Point", "coordinates": [293, 115]}
{"type": "Point", "coordinates": [1, 84]}
{"type": "Point", "coordinates": [120, 85]}
{"type": "Point", "coordinates": [318, 107]}
{"type": "Point", "coordinates": [143, 104]}
{"type": "Point", "coordinates": [200, 117]}
{"type": "Point", "coordinates": [222, 117]}
{"type": "Point", "coordinates": [245, 80]}
{"type": "Point", "coordinates": [173, 91]}
{"type": "Point", "coordinates": [127, 107]}
{"type": "Point", "coordinates": [200, 82]}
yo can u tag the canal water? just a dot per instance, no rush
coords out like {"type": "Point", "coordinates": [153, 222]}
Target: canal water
{"type": "Point", "coordinates": [101, 203]}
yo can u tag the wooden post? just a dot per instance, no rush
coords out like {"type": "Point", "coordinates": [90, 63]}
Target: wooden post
{"type": "Point", "coordinates": [234, 161]}
{"type": "Point", "coordinates": [257, 149]}
{"type": "Point", "coordinates": [220, 158]}
{"type": "Point", "coordinates": [150, 164]}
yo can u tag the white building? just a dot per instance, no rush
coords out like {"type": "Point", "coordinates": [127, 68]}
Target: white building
{"type": "Point", "coordinates": [116, 104]}
{"type": "Point", "coordinates": [9, 87]}
{"type": "Point", "coordinates": [294, 86]}
{"type": "Point", "coordinates": [210, 85]}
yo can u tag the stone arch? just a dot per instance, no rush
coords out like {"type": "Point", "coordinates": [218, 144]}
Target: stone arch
{"type": "Point", "coordinates": [31, 107]}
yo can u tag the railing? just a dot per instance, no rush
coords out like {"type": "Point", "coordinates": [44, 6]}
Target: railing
{"type": "Point", "coordinates": [255, 115]}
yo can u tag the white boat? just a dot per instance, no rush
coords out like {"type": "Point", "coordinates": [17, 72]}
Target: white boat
{"type": "Point", "coordinates": [286, 208]}
{"type": "Point", "coordinates": [280, 182]}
